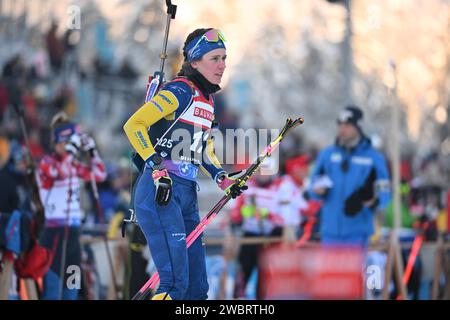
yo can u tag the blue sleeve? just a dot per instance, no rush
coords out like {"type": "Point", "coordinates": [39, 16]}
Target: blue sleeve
{"type": "Point", "coordinates": [319, 169]}
{"type": "Point", "coordinates": [212, 170]}
{"type": "Point", "coordinates": [182, 91]}
{"type": "Point", "coordinates": [383, 182]}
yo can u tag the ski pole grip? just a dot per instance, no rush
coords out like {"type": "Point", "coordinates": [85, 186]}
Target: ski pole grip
{"type": "Point", "coordinates": [171, 9]}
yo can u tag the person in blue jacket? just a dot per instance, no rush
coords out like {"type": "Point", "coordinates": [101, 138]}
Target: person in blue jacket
{"type": "Point", "coordinates": [172, 136]}
{"type": "Point", "coordinates": [352, 179]}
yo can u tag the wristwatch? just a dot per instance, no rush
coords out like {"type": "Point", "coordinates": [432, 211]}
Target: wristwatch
{"type": "Point", "coordinates": [155, 162]}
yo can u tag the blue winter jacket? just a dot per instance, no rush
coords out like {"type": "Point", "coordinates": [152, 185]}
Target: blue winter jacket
{"type": "Point", "coordinates": [334, 222]}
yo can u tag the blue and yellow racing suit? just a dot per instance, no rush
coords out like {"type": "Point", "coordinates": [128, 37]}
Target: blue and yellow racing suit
{"type": "Point", "coordinates": [176, 124]}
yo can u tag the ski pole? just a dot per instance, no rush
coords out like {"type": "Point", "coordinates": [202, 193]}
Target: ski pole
{"type": "Point", "coordinates": [310, 213]}
{"type": "Point", "coordinates": [307, 233]}
{"type": "Point", "coordinates": [151, 283]}
{"type": "Point", "coordinates": [415, 248]}
{"type": "Point", "coordinates": [289, 125]}
{"type": "Point", "coordinates": [62, 265]}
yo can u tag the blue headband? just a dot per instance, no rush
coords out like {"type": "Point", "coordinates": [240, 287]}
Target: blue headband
{"type": "Point", "coordinates": [64, 132]}
{"type": "Point", "coordinates": [199, 46]}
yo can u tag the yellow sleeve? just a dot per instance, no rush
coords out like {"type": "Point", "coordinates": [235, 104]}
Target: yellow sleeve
{"type": "Point", "coordinates": [211, 155]}
{"type": "Point", "coordinates": [213, 166]}
{"type": "Point", "coordinates": [161, 105]}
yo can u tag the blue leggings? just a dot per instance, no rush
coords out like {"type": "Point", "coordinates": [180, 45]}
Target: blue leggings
{"type": "Point", "coordinates": [182, 272]}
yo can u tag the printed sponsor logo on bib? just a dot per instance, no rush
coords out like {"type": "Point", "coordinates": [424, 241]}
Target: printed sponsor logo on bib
{"type": "Point", "coordinates": [200, 115]}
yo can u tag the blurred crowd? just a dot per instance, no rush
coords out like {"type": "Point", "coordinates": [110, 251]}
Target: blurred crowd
{"type": "Point", "coordinates": [46, 78]}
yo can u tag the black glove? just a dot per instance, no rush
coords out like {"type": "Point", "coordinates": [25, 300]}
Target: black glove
{"type": "Point", "coordinates": [163, 187]}
{"type": "Point", "coordinates": [161, 179]}
{"type": "Point", "coordinates": [366, 192]}
{"type": "Point", "coordinates": [236, 191]}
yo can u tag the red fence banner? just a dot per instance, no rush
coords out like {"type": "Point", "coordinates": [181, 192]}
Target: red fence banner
{"type": "Point", "coordinates": [328, 272]}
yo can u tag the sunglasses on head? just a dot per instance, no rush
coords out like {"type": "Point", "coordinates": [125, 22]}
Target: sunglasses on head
{"type": "Point", "coordinates": [213, 35]}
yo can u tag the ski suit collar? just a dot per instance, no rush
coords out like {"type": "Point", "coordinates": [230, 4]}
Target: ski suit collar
{"type": "Point", "coordinates": [202, 83]}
